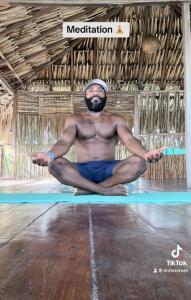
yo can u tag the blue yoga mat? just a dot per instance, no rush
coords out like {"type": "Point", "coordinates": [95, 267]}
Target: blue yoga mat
{"type": "Point", "coordinates": [155, 197]}
{"type": "Point", "coordinates": [174, 151]}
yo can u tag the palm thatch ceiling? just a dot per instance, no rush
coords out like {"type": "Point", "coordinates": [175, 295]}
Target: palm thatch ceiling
{"type": "Point", "coordinates": [34, 50]}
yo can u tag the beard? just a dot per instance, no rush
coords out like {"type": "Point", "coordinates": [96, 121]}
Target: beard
{"type": "Point", "coordinates": [96, 106]}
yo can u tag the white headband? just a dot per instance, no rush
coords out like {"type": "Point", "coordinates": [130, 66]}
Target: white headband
{"type": "Point", "coordinates": [97, 81]}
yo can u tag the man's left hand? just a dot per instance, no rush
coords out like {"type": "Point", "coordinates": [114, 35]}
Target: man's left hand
{"type": "Point", "coordinates": [154, 155]}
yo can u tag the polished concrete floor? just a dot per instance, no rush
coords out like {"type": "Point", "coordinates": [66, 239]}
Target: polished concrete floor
{"type": "Point", "coordinates": [99, 252]}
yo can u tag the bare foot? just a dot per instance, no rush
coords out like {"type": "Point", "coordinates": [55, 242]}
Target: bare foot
{"type": "Point", "coordinates": [116, 190]}
{"type": "Point", "coordinates": [79, 191]}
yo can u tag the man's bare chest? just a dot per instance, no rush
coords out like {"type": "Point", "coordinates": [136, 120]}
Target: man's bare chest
{"type": "Point", "coordinates": [103, 128]}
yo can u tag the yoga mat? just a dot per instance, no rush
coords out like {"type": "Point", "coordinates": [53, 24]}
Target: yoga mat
{"type": "Point", "coordinates": [174, 151]}
{"type": "Point", "coordinates": [155, 197]}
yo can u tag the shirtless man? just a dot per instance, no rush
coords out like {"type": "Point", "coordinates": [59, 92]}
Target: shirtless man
{"type": "Point", "coordinates": [95, 134]}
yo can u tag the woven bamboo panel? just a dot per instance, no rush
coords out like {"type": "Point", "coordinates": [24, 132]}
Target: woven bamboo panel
{"type": "Point", "coordinates": [6, 127]}
{"type": "Point", "coordinates": [28, 103]}
{"type": "Point", "coordinates": [162, 123]}
{"type": "Point", "coordinates": [120, 103]}
{"type": "Point", "coordinates": [121, 152]}
{"type": "Point", "coordinates": [36, 130]}
{"type": "Point", "coordinates": [170, 167]}
{"type": "Point", "coordinates": [55, 104]}
{"type": "Point", "coordinates": [24, 166]}
{"type": "Point", "coordinates": [1, 159]}
{"type": "Point", "coordinates": [7, 161]}
{"type": "Point", "coordinates": [161, 112]}
{"type": "Point", "coordinates": [153, 141]}
{"type": "Point", "coordinates": [79, 105]}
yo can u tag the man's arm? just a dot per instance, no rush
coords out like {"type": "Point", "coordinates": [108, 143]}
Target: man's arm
{"type": "Point", "coordinates": [133, 144]}
{"type": "Point", "coordinates": [126, 137]}
{"type": "Point", "coordinates": [62, 146]}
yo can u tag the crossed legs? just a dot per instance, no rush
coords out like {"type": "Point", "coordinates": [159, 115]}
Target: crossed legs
{"type": "Point", "coordinates": [125, 171]}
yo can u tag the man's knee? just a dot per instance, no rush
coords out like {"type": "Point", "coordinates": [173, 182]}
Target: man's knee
{"type": "Point", "coordinates": [140, 164]}
{"type": "Point", "coordinates": [56, 166]}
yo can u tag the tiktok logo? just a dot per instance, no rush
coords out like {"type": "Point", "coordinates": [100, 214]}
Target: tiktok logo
{"type": "Point", "coordinates": [176, 252]}
{"type": "Point", "coordinates": [172, 264]}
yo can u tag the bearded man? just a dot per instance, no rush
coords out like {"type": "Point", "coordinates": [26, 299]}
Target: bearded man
{"type": "Point", "coordinates": [95, 134]}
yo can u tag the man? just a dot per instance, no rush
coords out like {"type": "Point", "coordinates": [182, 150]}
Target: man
{"type": "Point", "coordinates": [95, 134]}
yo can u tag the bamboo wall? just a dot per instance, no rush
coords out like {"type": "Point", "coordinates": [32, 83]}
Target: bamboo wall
{"type": "Point", "coordinates": [6, 134]}
{"type": "Point", "coordinates": [6, 127]}
{"type": "Point", "coordinates": [161, 123]}
{"type": "Point", "coordinates": [6, 161]}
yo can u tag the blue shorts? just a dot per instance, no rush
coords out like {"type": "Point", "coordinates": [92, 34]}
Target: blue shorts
{"type": "Point", "coordinates": [96, 170]}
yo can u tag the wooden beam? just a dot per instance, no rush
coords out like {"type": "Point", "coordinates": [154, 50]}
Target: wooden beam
{"type": "Point", "coordinates": [8, 107]}
{"type": "Point", "coordinates": [94, 73]}
{"type": "Point", "coordinates": [48, 31]}
{"type": "Point", "coordinates": [187, 86]}
{"type": "Point", "coordinates": [11, 68]}
{"type": "Point", "coordinates": [118, 50]}
{"type": "Point", "coordinates": [14, 131]}
{"type": "Point", "coordinates": [142, 55]}
{"type": "Point", "coordinates": [6, 85]}
{"type": "Point", "coordinates": [85, 2]}
{"type": "Point", "coordinates": [50, 77]}
{"type": "Point", "coordinates": [178, 10]}
{"type": "Point", "coordinates": [136, 115]}
{"type": "Point", "coordinates": [167, 47]}
{"type": "Point", "coordinates": [72, 68]}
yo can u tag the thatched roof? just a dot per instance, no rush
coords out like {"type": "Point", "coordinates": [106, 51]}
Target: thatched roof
{"type": "Point", "coordinates": [34, 50]}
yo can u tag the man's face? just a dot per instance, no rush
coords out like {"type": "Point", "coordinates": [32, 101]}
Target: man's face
{"type": "Point", "coordinates": [95, 98]}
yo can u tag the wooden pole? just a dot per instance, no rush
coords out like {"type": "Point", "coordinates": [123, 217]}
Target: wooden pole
{"type": "Point", "coordinates": [50, 77]}
{"type": "Point", "coordinates": [14, 132]}
{"type": "Point", "coordinates": [142, 55]}
{"type": "Point", "coordinates": [118, 53]}
{"type": "Point", "coordinates": [94, 58]}
{"type": "Point", "coordinates": [136, 115]}
{"type": "Point", "coordinates": [166, 51]}
{"type": "Point", "coordinates": [72, 69]}
{"type": "Point", "coordinates": [11, 68]}
{"type": "Point", "coordinates": [87, 2]}
{"type": "Point", "coordinates": [187, 86]}
{"type": "Point", "coordinates": [6, 85]}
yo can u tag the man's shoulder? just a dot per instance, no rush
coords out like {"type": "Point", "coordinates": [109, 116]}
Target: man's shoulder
{"type": "Point", "coordinates": [118, 118]}
{"type": "Point", "coordinates": [73, 118]}
{"type": "Point", "coordinates": [112, 115]}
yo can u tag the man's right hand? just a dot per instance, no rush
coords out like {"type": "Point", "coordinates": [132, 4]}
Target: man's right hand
{"type": "Point", "coordinates": [40, 158]}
